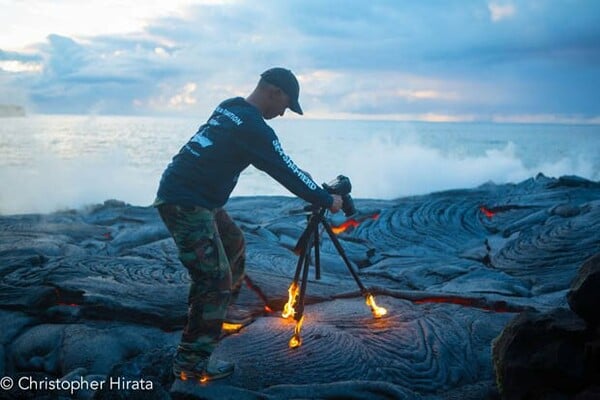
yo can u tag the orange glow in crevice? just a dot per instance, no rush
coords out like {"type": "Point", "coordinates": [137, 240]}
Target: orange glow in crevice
{"type": "Point", "coordinates": [350, 223]}
{"type": "Point", "coordinates": [60, 302]}
{"type": "Point", "coordinates": [487, 212]}
{"type": "Point", "coordinates": [231, 328]}
{"type": "Point", "coordinates": [499, 306]}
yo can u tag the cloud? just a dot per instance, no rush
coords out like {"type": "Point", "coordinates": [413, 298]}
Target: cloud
{"type": "Point", "coordinates": [19, 66]}
{"type": "Point", "coordinates": [366, 58]}
{"type": "Point", "coordinates": [499, 12]}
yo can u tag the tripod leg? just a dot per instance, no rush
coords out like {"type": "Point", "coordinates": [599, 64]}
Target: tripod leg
{"type": "Point", "coordinates": [317, 245]}
{"type": "Point", "coordinates": [293, 290]}
{"type": "Point", "coordinates": [375, 309]}
{"type": "Point", "coordinates": [296, 340]}
{"type": "Point", "coordinates": [342, 253]}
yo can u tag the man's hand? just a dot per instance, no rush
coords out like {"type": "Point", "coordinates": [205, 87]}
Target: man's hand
{"type": "Point", "coordinates": [337, 203]}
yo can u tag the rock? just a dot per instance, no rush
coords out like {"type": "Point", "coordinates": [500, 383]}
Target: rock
{"type": "Point", "coordinates": [539, 355]}
{"type": "Point", "coordinates": [584, 296]}
{"type": "Point", "coordinates": [142, 378]}
{"type": "Point", "coordinates": [101, 291]}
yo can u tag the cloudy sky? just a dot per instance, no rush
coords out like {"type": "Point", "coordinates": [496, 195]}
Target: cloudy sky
{"type": "Point", "coordinates": [499, 60]}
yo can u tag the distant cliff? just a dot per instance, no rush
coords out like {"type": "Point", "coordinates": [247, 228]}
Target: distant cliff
{"type": "Point", "coordinates": [10, 110]}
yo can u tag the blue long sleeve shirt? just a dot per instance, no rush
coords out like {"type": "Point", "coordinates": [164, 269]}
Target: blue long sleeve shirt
{"type": "Point", "coordinates": [206, 169]}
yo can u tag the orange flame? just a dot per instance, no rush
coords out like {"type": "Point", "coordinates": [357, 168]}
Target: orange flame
{"type": "Point", "coordinates": [288, 309]}
{"type": "Point", "coordinates": [268, 309]}
{"type": "Point", "coordinates": [296, 340]}
{"type": "Point", "coordinates": [377, 311]}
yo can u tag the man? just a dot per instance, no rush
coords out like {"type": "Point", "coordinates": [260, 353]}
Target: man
{"type": "Point", "coordinates": [194, 188]}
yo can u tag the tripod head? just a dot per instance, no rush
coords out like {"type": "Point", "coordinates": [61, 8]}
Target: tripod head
{"type": "Point", "coordinates": [341, 186]}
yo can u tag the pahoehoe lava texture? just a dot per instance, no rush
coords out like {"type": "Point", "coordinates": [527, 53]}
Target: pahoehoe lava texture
{"type": "Point", "coordinates": [99, 291]}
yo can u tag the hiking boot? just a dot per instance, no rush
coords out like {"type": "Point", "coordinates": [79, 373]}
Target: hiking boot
{"type": "Point", "coordinates": [203, 369]}
{"type": "Point", "coordinates": [217, 369]}
{"type": "Point", "coordinates": [238, 315]}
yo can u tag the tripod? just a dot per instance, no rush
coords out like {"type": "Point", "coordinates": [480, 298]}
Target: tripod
{"type": "Point", "coordinates": [310, 239]}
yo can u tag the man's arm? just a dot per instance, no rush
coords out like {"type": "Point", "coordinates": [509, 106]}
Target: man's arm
{"type": "Point", "coordinates": [266, 154]}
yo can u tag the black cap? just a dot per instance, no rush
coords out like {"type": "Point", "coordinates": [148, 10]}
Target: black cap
{"type": "Point", "coordinates": [285, 80]}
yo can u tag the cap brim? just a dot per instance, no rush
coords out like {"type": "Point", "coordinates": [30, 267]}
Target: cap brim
{"type": "Point", "coordinates": [295, 107]}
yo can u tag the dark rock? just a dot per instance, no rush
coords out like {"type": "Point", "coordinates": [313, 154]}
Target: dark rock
{"type": "Point", "coordinates": [97, 293]}
{"type": "Point", "coordinates": [144, 377]}
{"type": "Point", "coordinates": [541, 354]}
{"type": "Point", "coordinates": [584, 296]}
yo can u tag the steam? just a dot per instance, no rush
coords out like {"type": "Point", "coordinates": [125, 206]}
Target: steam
{"type": "Point", "coordinates": [384, 168]}
{"type": "Point", "coordinates": [51, 184]}
{"type": "Point", "coordinates": [68, 172]}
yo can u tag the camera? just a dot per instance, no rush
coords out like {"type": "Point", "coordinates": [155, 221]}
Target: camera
{"type": "Point", "coordinates": [342, 186]}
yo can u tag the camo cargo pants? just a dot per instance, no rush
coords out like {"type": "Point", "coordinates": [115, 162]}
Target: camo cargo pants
{"type": "Point", "coordinates": [212, 248]}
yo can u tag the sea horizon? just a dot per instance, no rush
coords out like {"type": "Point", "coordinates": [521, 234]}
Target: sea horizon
{"type": "Point", "coordinates": [86, 159]}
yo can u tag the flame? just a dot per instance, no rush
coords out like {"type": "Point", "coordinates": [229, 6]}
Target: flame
{"type": "Point", "coordinates": [268, 309]}
{"type": "Point", "coordinates": [183, 376]}
{"type": "Point", "coordinates": [288, 309]}
{"type": "Point", "coordinates": [296, 340]}
{"type": "Point", "coordinates": [231, 328]}
{"type": "Point", "coordinates": [204, 379]}
{"type": "Point", "coordinates": [377, 311]}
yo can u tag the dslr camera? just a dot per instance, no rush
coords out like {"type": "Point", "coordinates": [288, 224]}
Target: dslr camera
{"type": "Point", "coordinates": [342, 187]}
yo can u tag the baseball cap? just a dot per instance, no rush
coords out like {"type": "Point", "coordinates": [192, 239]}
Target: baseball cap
{"type": "Point", "coordinates": [285, 80]}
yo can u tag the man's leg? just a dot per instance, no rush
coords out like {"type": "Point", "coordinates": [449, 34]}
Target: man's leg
{"type": "Point", "coordinates": [234, 244]}
{"type": "Point", "coordinates": [201, 252]}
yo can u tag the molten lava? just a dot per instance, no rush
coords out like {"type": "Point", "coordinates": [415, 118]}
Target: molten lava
{"type": "Point", "coordinates": [288, 309]}
{"type": "Point", "coordinates": [183, 376]}
{"type": "Point", "coordinates": [487, 212]}
{"type": "Point", "coordinates": [231, 328]}
{"type": "Point", "coordinates": [296, 340]}
{"type": "Point", "coordinates": [352, 223]}
{"type": "Point", "coordinates": [377, 311]}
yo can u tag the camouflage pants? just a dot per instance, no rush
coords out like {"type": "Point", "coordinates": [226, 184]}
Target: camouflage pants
{"type": "Point", "coordinates": [212, 248]}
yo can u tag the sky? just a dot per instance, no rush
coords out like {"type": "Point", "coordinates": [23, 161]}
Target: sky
{"type": "Point", "coordinates": [430, 60]}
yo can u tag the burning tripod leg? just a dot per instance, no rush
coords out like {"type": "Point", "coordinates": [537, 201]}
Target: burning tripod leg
{"type": "Point", "coordinates": [377, 311]}
{"type": "Point", "coordinates": [296, 340]}
{"type": "Point", "coordinates": [294, 290]}
{"type": "Point", "coordinates": [295, 305]}
{"type": "Point", "coordinates": [308, 239]}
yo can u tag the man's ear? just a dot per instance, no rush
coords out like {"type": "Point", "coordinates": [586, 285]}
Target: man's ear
{"type": "Point", "coordinates": [275, 92]}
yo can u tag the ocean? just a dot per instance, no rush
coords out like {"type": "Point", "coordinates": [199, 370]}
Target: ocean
{"type": "Point", "coordinates": [56, 162]}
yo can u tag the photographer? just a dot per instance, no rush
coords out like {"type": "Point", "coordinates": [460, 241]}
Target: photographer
{"type": "Point", "coordinates": [194, 188]}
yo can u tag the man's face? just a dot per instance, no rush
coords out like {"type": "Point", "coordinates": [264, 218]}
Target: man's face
{"type": "Point", "coordinates": [278, 102]}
